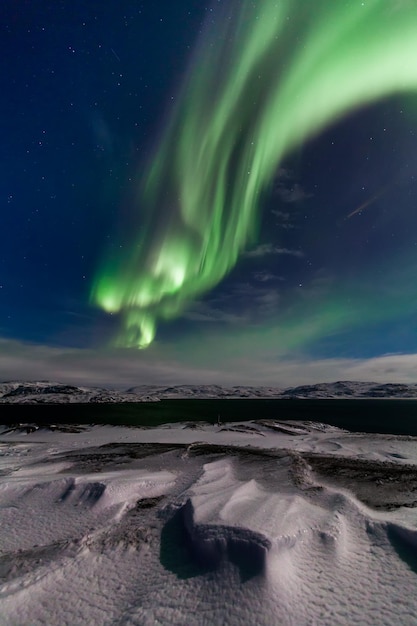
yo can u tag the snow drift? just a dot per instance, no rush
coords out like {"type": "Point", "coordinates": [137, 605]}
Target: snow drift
{"type": "Point", "coordinates": [243, 524]}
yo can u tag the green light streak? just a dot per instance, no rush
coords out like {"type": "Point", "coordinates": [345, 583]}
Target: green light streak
{"type": "Point", "coordinates": [260, 84]}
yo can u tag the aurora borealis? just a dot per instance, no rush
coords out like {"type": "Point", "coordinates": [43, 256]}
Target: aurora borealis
{"type": "Point", "coordinates": [266, 76]}
{"type": "Point", "coordinates": [232, 185]}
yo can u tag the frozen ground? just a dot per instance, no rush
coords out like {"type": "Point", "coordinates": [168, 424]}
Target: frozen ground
{"type": "Point", "coordinates": [258, 523]}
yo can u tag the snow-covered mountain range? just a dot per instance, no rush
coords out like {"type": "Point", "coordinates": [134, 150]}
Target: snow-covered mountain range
{"type": "Point", "coordinates": [51, 392]}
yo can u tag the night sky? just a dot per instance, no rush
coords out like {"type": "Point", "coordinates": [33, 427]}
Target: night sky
{"type": "Point", "coordinates": [146, 237]}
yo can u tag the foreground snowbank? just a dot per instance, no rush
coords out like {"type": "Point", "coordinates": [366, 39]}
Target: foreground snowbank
{"type": "Point", "coordinates": [252, 523]}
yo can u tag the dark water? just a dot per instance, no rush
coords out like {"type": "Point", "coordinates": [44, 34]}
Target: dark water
{"type": "Point", "coordinates": [372, 416]}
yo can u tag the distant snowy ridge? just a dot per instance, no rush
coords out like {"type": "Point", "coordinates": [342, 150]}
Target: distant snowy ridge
{"type": "Point", "coordinates": [46, 392]}
{"type": "Point", "coordinates": [352, 389]}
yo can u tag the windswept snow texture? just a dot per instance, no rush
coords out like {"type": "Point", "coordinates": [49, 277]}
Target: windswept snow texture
{"type": "Point", "coordinates": [55, 393]}
{"type": "Point", "coordinates": [260, 523]}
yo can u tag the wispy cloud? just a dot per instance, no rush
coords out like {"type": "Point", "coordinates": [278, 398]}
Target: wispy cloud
{"type": "Point", "coordinates": [244, 303]}
{"type": "Point", "coordinates": [285, 216]}
{"type": "Point", "coordinates": [285, 220]}
{"type": "Point", "coordinates": [266, 277]}
{"type": "Point", "coordinates": [266, 249]}
{"type": "Point", "coordinates": [206, 312]}
{"type": "Point", "coordinates": [288, 189]}
{"type": "Point", "coordinates": [107, 368]}
{"type": "Point", "coordinates": [292, 194]}
{"type": "Point", "coordinates": [124, 368]}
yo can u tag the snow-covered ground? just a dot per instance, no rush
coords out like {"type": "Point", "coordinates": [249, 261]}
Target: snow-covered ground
{"type": "Point", "coordinates": [254, 523]}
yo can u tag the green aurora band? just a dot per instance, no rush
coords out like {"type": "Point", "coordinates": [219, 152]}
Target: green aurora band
{"type": "Point", "coordinates": [265, 77]}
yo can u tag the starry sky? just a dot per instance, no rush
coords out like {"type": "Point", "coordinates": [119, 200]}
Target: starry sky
{"type": "Point", "coordinates": [137, 244]}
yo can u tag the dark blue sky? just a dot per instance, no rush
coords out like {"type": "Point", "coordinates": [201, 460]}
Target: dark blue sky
{"type": "Point", "coordinates": [87, 88]}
